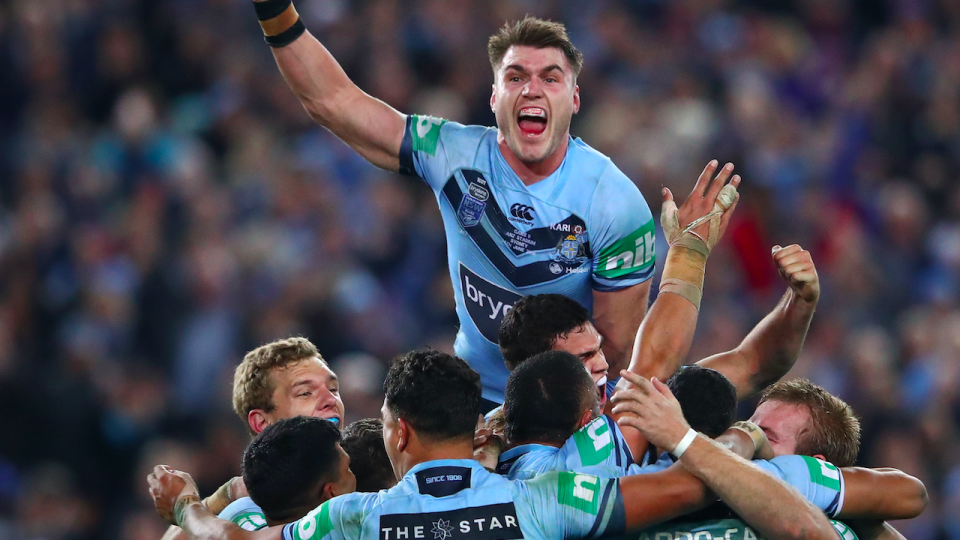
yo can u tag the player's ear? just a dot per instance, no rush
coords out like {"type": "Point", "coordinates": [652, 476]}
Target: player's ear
{"type": "Point", "coordinates": [329, 491]}
{"type": "Point", "coordinates": [403, 434]}
{"type": "Point", "coordinates": [493, 97]}
{"type": "Point", "coordinates": [821, 457]}
{"type": "Point", "coordinates": [258, 420]}
{"type": "Point", "coordinates": [576, 98]}
{"type": "Point", "coordinates": [585, 418]}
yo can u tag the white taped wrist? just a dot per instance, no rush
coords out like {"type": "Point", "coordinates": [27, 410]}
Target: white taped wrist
{"type": "Point", "coordinates": [685, 443]}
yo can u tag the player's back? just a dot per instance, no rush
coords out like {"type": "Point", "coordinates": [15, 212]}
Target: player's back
{"type": "Point", "coordinates": [446, 499]}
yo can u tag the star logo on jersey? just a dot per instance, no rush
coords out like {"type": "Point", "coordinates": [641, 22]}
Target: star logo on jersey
{"type": "Point", "coordinates": [442, 529]}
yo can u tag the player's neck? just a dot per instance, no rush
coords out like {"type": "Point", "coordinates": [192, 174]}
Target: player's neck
{"type": "Point", "coordinates": [514, 444]}
{"type": "Point", "coordinates": [432, 451]}
{"type": "Point", "coordinates": [531, 173]}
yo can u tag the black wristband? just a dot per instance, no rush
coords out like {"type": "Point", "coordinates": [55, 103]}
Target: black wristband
{"type": "Point", "coordinates": [286, 37]}
{"type": "Point", "coordinates": [270, 9]}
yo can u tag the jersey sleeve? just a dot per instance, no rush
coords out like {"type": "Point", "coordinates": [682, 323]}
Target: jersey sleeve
{"type": "Point", "coordinates": [576, 505]}
{"type": "Point", "coordinates": [623, 234]}
{"type": "Point", "coordinates": [245, 513]}
{"type": "Point", "coordinates": [336, 519]}
{"type": "Point", "coordinates": [432, 145]}
{"type": "Point", "coordinates": [819, 482]}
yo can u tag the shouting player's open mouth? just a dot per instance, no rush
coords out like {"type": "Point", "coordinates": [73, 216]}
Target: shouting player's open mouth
{"type": "Point", "coordinates": [532, 121]}
{"type": "Point", "coordinates": [602, 391]}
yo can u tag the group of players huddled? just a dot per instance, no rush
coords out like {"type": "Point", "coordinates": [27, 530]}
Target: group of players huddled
{"type": "Point", "coordinates": [552, 421]}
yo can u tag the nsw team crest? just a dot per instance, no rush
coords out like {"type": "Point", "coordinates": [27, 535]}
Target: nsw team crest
{"type": "Point", "coordinates": [470, 211]}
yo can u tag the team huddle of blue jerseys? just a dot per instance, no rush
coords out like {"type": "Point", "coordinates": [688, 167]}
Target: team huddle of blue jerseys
{"type": "Point", "coordinates": [584, 228]}
{"type": "Point", "coordinates": [544, 492]}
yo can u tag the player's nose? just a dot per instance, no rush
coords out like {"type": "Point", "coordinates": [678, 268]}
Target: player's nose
{"type": "Point", "coordinates": [599, 363]}
{"type": "Point", "coordinates": [328, 400]}
{"type": "Point", "coordinates": [533, 88]}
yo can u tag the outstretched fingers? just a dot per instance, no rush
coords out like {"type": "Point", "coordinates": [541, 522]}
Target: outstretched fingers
{"type": "Point", "coordinates": [703, 182]}
{"type": "Point", "coordinates": [710, 195]}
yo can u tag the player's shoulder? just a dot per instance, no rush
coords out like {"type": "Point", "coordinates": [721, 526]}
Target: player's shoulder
{"type": "Point", "coordinates": [612, 193]}
{"type": "Point", "coordinates": [427, 132]}
{"type": "Point", "coordinates": [595, 167]}
{"type": "Point", "coordinates": [245, 513]}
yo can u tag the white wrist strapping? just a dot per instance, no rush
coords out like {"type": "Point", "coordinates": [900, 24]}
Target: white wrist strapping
{"type": "Point", "coordinates": [685, 443]}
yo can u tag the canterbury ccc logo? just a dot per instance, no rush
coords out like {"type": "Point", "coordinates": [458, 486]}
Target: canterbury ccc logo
{"type": "Point", "coordinates": [522, 211]}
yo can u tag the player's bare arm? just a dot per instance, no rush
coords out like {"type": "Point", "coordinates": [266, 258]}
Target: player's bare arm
{"type": "Point", "coordinates": [617, 316]}
{"type": "Point", "coordinates": [770, 506]}
{"type": "Point", "coordinates": [371, 127]}
{"type": "Point", "coordinates": [881, 494]}
{"type": "Point", "coordinates": [874, 530]}
{"type": "Point", "coordinates": [666, 332]}
{"type": "Point", "coordinates": [232, 490]}
{"type": "Point", "coordinates": [176, 500]}
{"type": "Point", "coordinates": [770, 350]}
{"type": "Point", "coordinates": [649, 499]}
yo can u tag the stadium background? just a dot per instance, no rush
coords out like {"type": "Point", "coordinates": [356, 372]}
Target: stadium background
{"type": "Point", "coordinates": [165, 205]}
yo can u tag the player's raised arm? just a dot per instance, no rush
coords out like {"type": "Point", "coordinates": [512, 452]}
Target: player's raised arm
{"type": "Point", "coordinates": [770, 506]}
{"type": "Point", "coordinates": [773, 346]}
{"type": "Point", "coordinates": [370, 126]}
{"type": "Point", "coordinates": [692, 230]}
{"type": "Point", "coordinates": [176, 500]}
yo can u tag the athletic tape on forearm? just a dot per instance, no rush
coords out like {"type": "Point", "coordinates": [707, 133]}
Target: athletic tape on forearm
{"type": "Point", "coordinates": [180, 508]}
{"type": "Point", "coordinates": [684, 443]}
{"type": "Point", "coordinates": [220, 499]}
{"type": "Point", "coordinates": [683, 272]}
{"type": "Point", "coordinates": [751, 429]}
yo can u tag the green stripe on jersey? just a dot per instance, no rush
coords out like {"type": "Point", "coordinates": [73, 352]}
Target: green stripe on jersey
{"type": "Point", "coordinates": [594, 442]}
{"type": "Point", "coordinates": [823, 473]}
{"type": "Point", "coordinates": [845, 532]}
{"type": "Point", "coordinates": [314, 526]}
{"type": "Point", "coordinates": [580, 491]}
{"type": "Point", "coordinates": [633, 252]}
{"type": "Point", "coordinates": [425, 131]}
{"type": "Point", "coordinates": [250, 521]}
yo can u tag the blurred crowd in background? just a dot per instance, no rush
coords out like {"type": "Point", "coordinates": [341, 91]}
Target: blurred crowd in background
{"type": "Point", "coordinates": [166, 205]}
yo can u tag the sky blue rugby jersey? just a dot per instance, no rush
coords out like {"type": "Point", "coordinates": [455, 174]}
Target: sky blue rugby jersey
{"type": "Point", "coordinates": [459, 499]}
{"type": "Point", "coordinates": [586, 227]}
{"type": "Point", "coordinates": [597, 448]}
{"type": "Point", "coordinates": [245, 513]}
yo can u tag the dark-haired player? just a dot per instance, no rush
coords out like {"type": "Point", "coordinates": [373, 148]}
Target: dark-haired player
{"type": "Point", "coordinates": [429, 415]}
{"type": "Point", "coordinates": [363, 442]}
{"type": "Point", "coordinates": [527, 208]}
{"type": "Point", "coordinates": [291, 467]}
{"type": "Point", "coordinates": [707, 398]}
{"type": "Point", "coordinates": [552, 322]}
{"type": "Point", "coordinates": [552, 420]}
{"type": "Point", "coordinates": [301, 448]}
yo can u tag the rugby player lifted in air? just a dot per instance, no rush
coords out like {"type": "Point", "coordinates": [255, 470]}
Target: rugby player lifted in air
{"type": "Point", "coordinates": [527, 209]}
